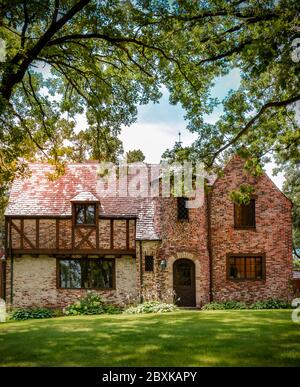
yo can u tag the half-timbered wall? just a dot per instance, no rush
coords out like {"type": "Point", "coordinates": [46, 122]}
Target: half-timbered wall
{"type": "Point", "coordinates": [59, 235]}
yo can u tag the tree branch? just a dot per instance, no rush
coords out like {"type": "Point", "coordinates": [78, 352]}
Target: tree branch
{"type": "Point", "coordinates": [25, 25]}
{"type": "Point", "coordinates": [24, 125]}
{"type": "Point", "coordinates": [115, 41]}
{"type": "Point", "coordinates": [225, 54]}
{"type": "Point", "coordinates": [245, 129]}
{"type": "Point", "coordinates": [11, 78]}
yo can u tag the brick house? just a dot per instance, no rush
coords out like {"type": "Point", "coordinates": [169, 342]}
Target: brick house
{"type": "Point", "coordinates": [64, 238]}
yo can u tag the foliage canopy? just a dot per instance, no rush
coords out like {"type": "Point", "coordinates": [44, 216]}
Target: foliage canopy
{"type": "Point", "coordinates": [104, 58]}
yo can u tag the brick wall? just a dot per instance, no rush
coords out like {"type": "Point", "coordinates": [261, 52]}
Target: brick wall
{"type": "Point", "coordinates": [273, 236]}
{"type": "Point", "coordinates": [35, 283]}
{"type": "Point", "coordinates": [185, 239]}
{"type": "Point", "coordinates": [35, 276]}
{"type": "Point", "coordinates": [152, 282]}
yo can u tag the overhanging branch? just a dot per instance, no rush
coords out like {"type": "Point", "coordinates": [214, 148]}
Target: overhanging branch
{"type": "Point", "coordinates": [244, 130]}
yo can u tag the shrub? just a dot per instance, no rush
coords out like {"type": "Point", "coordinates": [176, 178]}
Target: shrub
{"type": "Point", "coordinates": [214, 306]}
{"type": "Point", "coordinates": [92, 303]}
{"type": "Point", "coordinates": [270, 304]}
{"type": "Point", "coordinates": [26, 314]}
{"type": "Point", "coordinates": [225, 305]}
{"type": "Point", "coordinates": [151, 307]}
{"type": "Point", "coordinates": [58, 313]}
{"type": "Point", "coordinates": [235, 305]}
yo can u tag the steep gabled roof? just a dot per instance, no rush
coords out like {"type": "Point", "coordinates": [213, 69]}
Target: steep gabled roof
{"type": "Point", "coordinates": [36, 195]}
{"type": "Point", "coordinates": [85, 197]}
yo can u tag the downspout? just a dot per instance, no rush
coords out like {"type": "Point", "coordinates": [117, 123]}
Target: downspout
{"type": "Point", "coordinates": [11, 279]}
{"type": "Point", "coordinates": [11, 257]}
{"type": "Point", "coordinates": [209, 245]}
{"type": "Point", "coordinates": [3, 279]}
{"type": "Point", "coordinates": [141, 271]}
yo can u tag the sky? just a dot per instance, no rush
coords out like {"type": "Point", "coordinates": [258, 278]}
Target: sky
{"type": "Point", "coordinates": [157, 125]}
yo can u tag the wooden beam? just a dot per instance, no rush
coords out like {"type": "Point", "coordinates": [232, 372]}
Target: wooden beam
{"type": "Point", "coordinates": [21, 233]}
{"type": "Point", "coordinates": [37, 233]}
{"type": "Point", "coordinates": [75, 252]}
{"type": "Point", "coordinates": [112, 234]}
{"type": "Point", "coordinates": [38, 217]}
{"type": "Point", "coordinates": [57, 234]}
{"type": "Point", "coordinates": [85, 238]}
{"type": "Point", "coordinates": [127, 234]}
{"type": "Point", "coordinates": [97, 226]}
{"type": "Point", "coordinates": [73, 226]}
{"type": "Point", "coordinates": [134, 234]}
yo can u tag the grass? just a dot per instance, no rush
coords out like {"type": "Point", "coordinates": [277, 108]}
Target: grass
{"type": "Point", "coordinates": [185, 338]}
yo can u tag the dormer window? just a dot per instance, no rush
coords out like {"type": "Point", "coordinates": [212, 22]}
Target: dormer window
{"type": "Point", "coordinates": [85, 214]}
{"type": "Point", "coordinates": [84, 209]}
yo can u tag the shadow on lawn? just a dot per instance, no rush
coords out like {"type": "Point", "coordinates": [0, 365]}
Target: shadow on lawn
{"type": "Point", "coordinates": [218, 338]}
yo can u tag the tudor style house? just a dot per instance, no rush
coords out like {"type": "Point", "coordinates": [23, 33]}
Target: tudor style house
{"type": "Point", "coordinates": [64, 238]}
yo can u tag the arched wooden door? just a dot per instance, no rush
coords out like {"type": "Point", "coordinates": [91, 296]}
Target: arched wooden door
{"type": "Point", "coordinates": [184, 282]}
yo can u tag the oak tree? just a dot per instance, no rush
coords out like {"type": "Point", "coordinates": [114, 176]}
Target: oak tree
{"type": "Point", "coordinates": [103, 58]}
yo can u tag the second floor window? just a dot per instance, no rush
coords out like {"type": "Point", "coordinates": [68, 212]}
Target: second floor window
{"type": "Point", "coordinates": [85, 214]}
{"type": "Point", "coordinates": [182, 210]}
{"type": "Point", "coordinates": [244, 215]}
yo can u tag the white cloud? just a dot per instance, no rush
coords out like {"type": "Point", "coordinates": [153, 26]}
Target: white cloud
{"type": "Point", "coordinates": [154, 138]}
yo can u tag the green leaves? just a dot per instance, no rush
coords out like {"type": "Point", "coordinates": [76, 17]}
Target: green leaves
{"type": "Point", "coordinates": [291, 188]}
{"type": "Point", "coordinates": [242, 195]}
{"type": "Point", "coordinates": [103, 59]}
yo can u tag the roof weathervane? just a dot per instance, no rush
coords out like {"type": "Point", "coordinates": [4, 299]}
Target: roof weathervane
{"type": "Point", "coordinates": [179, 137]}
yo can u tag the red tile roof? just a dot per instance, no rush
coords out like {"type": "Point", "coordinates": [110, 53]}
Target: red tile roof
{"type": "Point", "coordinates": [37, 195]}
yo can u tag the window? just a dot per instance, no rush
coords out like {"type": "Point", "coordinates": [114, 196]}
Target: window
{"type": "Point", "coordinates": [244, 215]}
{"type": "Point", "coordinates": [149, 263]}
{"type": "Point", "coordinates": [245, 267]}
{"type": "Point", "coordinates": [85, 214]}
{"type": "Point", "coordinates": [86, 273]}
{"type": "Point", "coordinates": [182, 210]}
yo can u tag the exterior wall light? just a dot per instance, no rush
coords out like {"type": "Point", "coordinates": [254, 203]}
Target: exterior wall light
{"type": "Point", "coordinates": [163, 264]}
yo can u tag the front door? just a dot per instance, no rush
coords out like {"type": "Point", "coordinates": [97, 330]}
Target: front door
{"type": "Point", "coordinates": [184, 282]}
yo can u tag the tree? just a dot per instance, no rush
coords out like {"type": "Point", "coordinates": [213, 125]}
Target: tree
{"type": "Point", "coordinates": [259, 117]}
{"type": "Point", "coordinates": [135, 156]}
{"type": "Point", "coordinates": [291, 188]}
{"type": "Point", "coordinates": [106, 57]}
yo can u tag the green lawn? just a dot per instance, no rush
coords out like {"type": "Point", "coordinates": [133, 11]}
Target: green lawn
{"type": "Point", "coordinates": [185, 338]}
